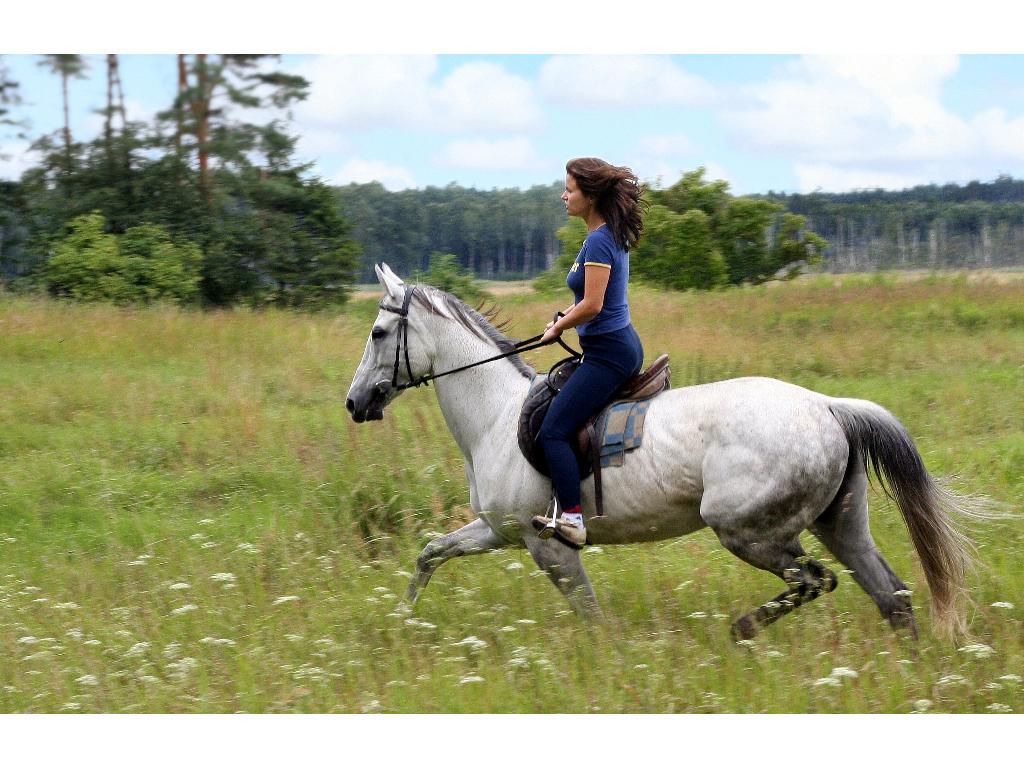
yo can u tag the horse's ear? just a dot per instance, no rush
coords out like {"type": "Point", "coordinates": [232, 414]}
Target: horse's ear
{"type": "Point", "coordinates": [389, 281]}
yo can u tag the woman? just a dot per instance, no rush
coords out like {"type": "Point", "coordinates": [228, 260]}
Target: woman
{"type": "Point", "coordinates": [607, 198]}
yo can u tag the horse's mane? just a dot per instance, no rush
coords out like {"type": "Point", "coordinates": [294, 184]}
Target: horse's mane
{"type": "Point", "coordinates": [482, 320]}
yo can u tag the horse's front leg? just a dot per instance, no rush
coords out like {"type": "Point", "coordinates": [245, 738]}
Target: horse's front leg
{"type": "Point", "coordinates": [565, 568]}
{"type": "Point", "coordinates": [470, 539]}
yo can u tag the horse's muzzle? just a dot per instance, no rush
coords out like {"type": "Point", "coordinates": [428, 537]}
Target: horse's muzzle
{"type": "Point", "coordinates": [371, 410]}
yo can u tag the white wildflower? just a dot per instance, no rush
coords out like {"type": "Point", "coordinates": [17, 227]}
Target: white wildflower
{"type": "Point", "coordinates": [829, 681]}
{"type": "Point", "coordinates": [593, 551]}
{"type": "Point", "coordinates": [903, 593]}
{"type": "Point", "coordinates": [472, 642]}
{"type": "Point", "coordinates": [372, 706]}
{"type": "Point", "coordinates": [294, 638]}
{"type": "Point", "coordinates": [197, 537]}
{"type": "Point", "coordinates": [245, 546]}
{"type": "Point", "coordinates": [773, 654]}
{"type": "Point", "coordinates": [639, 666]}
{"type": "Point", "coordinates": [72, 706]}
{"type": "Point", "coordinates": [952, 680]}
{"type": "Point", "coordinates": [184, 609]}
{"type": "Point", "coordinates": [843, 672]}
{"type": "Point", "coordinates": [1003, 604]}
{"type": "Point", "coordinates": [217, 641]}
{"type": "Point", "coordinates": [28, 640]}
{"type": "Point", "coordinates": [75, 633]}
{"type": "Point", "coordinates": [403, 574]}
{"type": "Point", "coordinates": [180, 585]}
{"type": "Point", "coordinates": [418, 623]}
{"type": "Point", "coordinates": [514, 567]}
{"type": "Point", "coordinates": [525, 621]}
{"type": "Point", "coordinates": [922, 705]}
{"type": "Point", "coordinates": [507, 628]}
{"type": "Point", "coordinates": [91, 642]}
{"type": "Point", "coordinates": [206, 521]}
{"type": "Point", "coordinates": [180, 669]}
{"type": "Point", "coordinates": [697, 615]}
{"type": "Point", "coordinates": [209, 544]}
{"type": "Point", "coordinates": [87, 680]}
{"type": "Point", "coordinates": [1002, 708]}
{"type": "Point", "coordinates": [225, 577]}
{"type": "Point", "coordinates": [285, 599]}
{"type": "Point", "coordinates": [137, 562]}
{"type": "Point", "coordinates": [471, 679]}
{"type": "Point", "coordinates": [67, 606]}
{"type": "Point", "coordinates": [137, 650]}
{"type": "Point", "coordinates": [978, 650]}
{"type": "Point", "coordinates": [1011, 678]}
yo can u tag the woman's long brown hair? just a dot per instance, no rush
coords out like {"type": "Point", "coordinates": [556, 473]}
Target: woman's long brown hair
{"type": "Point", "coordinates": [617, 194]}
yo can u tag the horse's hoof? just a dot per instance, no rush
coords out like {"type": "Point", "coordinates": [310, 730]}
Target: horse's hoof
{"type": "Point", "coordinates": [744, 628]}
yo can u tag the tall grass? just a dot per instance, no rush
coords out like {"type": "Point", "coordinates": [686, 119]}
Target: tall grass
{"type": "Point", "coordinates": [189, 521]}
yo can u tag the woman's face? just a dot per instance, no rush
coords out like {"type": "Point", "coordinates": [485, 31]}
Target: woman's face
{"type": "Point", "coordinates": [576, 203]}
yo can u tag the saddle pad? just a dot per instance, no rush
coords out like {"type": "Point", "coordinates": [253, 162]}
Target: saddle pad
{"type": "Point", "coordinates": [622, 431]}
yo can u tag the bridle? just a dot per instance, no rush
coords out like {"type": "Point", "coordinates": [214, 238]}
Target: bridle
{"type": "Point", "coordinates": [402, 345]}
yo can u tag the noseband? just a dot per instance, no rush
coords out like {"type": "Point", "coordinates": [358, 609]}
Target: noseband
{"type": "Point", "coordinates": [402, 345]}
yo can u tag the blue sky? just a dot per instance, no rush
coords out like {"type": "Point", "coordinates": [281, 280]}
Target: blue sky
{"type": "Point", "coordinates": [783, 122]}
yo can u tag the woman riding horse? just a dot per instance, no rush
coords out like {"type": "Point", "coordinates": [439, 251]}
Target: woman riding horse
{"type": "Point", "coordinates": [607, 198]}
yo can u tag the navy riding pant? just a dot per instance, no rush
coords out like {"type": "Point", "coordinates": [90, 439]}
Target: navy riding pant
{"type": "Point", "coordinates": [609, 360]}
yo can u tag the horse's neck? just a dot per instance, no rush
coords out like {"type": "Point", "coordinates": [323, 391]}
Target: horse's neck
{"type": "Point", "coordinates": [480, 405]}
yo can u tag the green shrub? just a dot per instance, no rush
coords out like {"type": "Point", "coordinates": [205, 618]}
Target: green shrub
{"type": "Point", "coordinates": [142, 265]}
{"type": "Point", "coordinates": [446, 273]}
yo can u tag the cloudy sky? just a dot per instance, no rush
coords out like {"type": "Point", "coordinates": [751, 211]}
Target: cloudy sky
{"type": "Point", "coordinates": [783, 122]}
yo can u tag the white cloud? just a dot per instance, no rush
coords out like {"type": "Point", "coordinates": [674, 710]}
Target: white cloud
{"type": "Point", "coordinates": [666, 145]}
{"type": "Point", "coordinates": [358, 93]}
{"type": "Point", "coordinates": [360, 171]}
{"type": "Point", "coordinates": [517, 154]}
{"type": "Point", "coordinates": [483, 96]}
{"type": "Point", "coordinates": [831, 178]}
{"type": "Point", "coordinates": [870, 121]}
{"type": "Point", "coordinates": [16, 158]}
{"type": "Point", "coordinates": [662, 174]}
{"type": "Point", "coordinates": [621, 81]}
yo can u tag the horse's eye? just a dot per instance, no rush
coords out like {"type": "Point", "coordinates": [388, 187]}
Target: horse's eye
{"type": "Point", "coordinates": [378, 333]}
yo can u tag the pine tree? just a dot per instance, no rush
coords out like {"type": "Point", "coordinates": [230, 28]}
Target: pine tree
{"type": "Point", "coordinates": [67, 65]}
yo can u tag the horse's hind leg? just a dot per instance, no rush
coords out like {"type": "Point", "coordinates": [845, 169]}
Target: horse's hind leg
{"type": "Point", "coordinates": [565, 568]}
{"type": "Point", "coordinates": [806, 577]}
{"type": "Point", "coordinates": [762, 528]}
{"type": "Point", "coordinates": [843, 528]}
{"type": "Point", "coordinates": [470, 539]}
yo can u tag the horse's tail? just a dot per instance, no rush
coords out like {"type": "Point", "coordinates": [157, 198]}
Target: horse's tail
{"type": "Point", "coordinates": [927, 506]}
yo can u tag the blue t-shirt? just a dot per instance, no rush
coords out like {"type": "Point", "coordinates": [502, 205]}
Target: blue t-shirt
{"type": "Point", "coordinates": [600, 249]}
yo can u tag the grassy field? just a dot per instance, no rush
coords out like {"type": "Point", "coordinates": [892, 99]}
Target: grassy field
{"type": "Point", "coordinates": [190, 522]}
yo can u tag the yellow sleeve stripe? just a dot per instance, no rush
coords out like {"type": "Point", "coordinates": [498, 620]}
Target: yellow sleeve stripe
{"type": "Point", "coordinates": [596, 264]}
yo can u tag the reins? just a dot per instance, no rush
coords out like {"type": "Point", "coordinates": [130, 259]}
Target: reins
{"type": "Point", "coordinates": [403, 343]}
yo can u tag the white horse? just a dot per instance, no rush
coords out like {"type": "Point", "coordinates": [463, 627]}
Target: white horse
{"type": "Point", "coordinates": [756, 459]}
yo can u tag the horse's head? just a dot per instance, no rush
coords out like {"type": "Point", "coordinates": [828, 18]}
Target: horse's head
{"type": "Point", "coordinates": [396, 353]}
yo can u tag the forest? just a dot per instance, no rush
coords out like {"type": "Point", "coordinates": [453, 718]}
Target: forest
{"type": "Point", "coordinates": [199, 206]}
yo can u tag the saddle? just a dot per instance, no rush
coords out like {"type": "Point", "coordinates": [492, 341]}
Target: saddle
{"type": "Point", "coordinates": [604, 439]}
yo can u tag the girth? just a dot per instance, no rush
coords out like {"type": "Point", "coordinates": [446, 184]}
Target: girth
{"type": "Point", "coordinates": [587, 446]}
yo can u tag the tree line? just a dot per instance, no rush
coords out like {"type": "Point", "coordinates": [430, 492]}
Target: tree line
{"type": "Point", "coordinates": [979, 224]}
{"type": "Point", "coordinates": [199, 204]}
{"type": "Point", "coordinates": [202, 205]}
